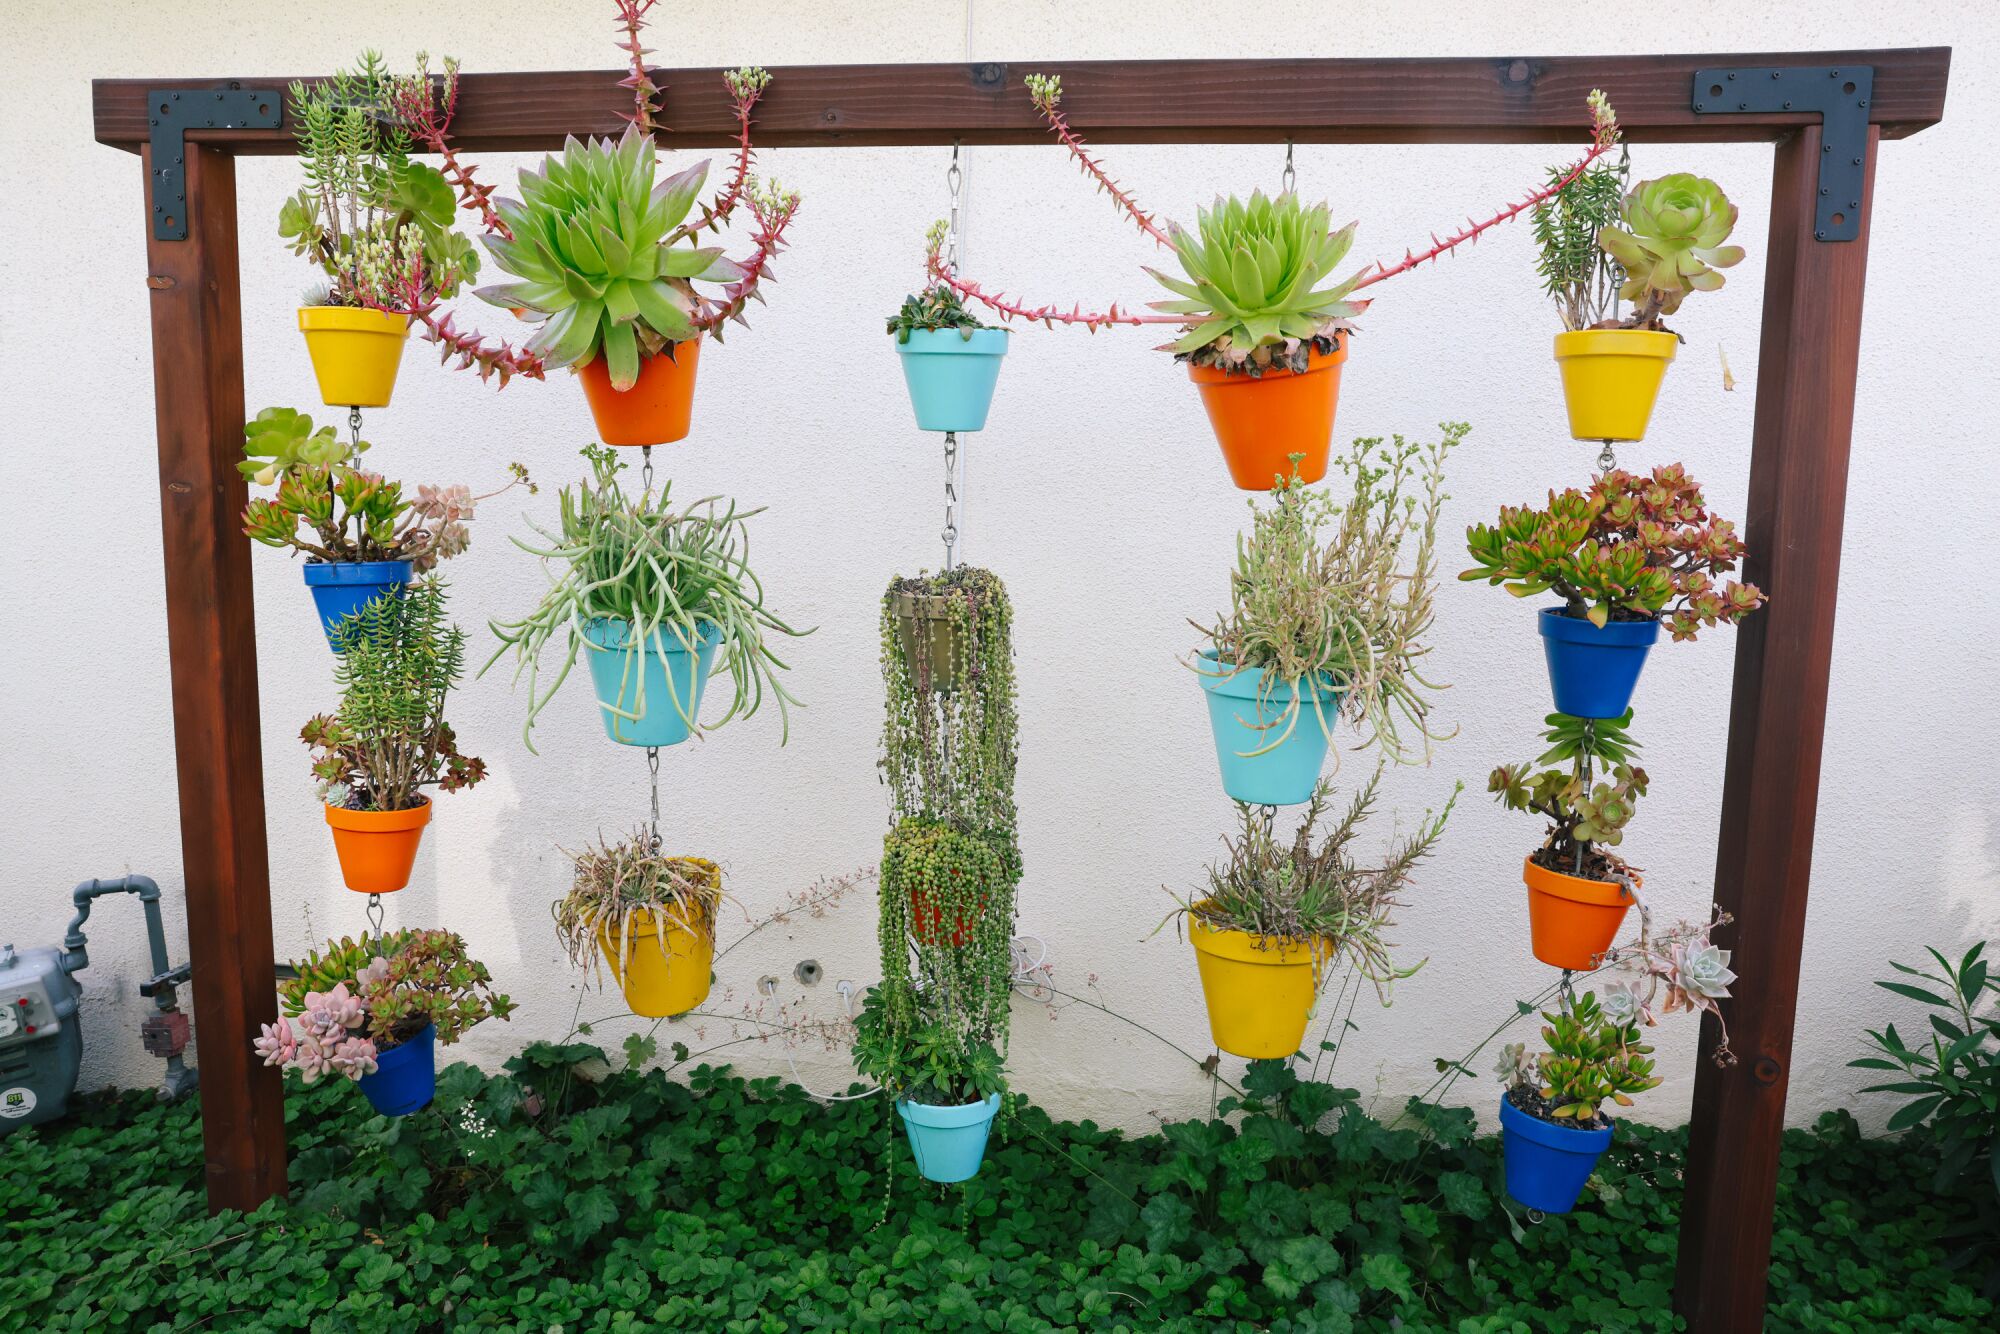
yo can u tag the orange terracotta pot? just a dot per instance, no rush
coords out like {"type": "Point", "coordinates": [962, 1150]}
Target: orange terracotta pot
{"type": "Point", "coordinates": [656, 409]}
{"type": "Point", "coordinates": [927, 921]}
{"type": "Point", "coordinates": [1571, 921]}
{"type": "Point", "coordinates": [1261, 421]}
{"type": "Point", "coordinates": [377, 848]}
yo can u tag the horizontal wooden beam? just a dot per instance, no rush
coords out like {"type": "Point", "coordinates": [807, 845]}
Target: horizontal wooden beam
{"type": "Point", "coordinates": [1471, 100]}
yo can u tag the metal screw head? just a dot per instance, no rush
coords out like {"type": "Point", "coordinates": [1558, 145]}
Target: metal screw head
{"type": "Point", "coordinates": [1788, 106]}
{"type": "Point", "coordinates": [1777, 74]}
{"type": "Point", "coordinates": [1732, 77]}
{"type": "Point", "coordinates": [1819, 236]}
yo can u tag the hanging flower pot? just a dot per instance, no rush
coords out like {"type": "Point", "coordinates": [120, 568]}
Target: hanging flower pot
{"type": "Point", "coordinates": [377, 849]}
{"type": "Point", "coordinates": [1260, 994]}
{"type": "Point", "coordinates": [1593, 671]}
{"type": "Point", "coordinates": [342, 589]}
{"type": "Point", "coordinates": [666, 968]}
{"type": "Point", "coordinates": [405, 1078]}
{"type": "Point", "coordinates": [951, 374]}
{"type": "Point", "coordinates": [1245, 727]}
{"type": "Point", "coordinates": [1547, 1163]}
{"type": "Point", "coordinates": [1610, 379]}
{"type": "Point", "coordinates": [927, 920]}
{"type": "Point", "coordinates": [1572, 920]}
{"type": "Point", "coordinates": [355, 353]}
{"type": "Point", "coordinates": [648, 692]}
{"type": "Point", "coordinates": [656, 409]}
{"type": "Point", "coordinates": [925, 633]}
{"type": "Point", "coordinates": [949, 1142]}
{"type": "Point", "coordinates": [1262, 420]}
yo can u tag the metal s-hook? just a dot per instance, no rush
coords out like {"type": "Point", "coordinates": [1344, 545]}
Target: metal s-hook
{"type": "Point", "coordinates": [354, 427]}
{"type": "Point", "coordinates": [653, 771]}
{"type": "Point", "coordinates": [1288, 180]}
{"type": "Point", "coordinates": [374, 900]}
{"type": "Point", "coordinates": [954, 177]}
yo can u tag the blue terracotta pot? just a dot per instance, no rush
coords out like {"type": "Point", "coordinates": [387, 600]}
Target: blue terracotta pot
{"type": "Point", "coordinates": [660, 684]}
{"type": "Point", "coordinates": [949, 1142]}
{"type": "Point", "coordinates": [951, 376]}
{"type": "Point", "coordinates": [340, 590]}
{"type": "Point", "coordinates": [1285, 774]}
{"type": "Point", "coordinates": [1547, 1164]}
{"type": "Point", "coordinates": [405, 1078]}
{"type": "Point", "coordinates": [1592, 671]}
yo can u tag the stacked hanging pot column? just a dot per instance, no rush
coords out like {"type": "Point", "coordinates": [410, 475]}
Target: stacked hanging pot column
{"type": "Point", "coordinates": [934, 1032]}
{"type": "Point", "coordinates": [1329, 610]}
{"type": "Point", "coordinates": [375, 1011]}
{"type": "Point", "coordinates": [1627, 557]}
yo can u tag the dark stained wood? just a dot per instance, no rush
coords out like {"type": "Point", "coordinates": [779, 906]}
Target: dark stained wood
{"type": "Point", "coordinates": [1524, 99]}
{"type": "Point", "coordinates": [1806, 368]}
{"type": "Point", "coordinates": [212, 654]}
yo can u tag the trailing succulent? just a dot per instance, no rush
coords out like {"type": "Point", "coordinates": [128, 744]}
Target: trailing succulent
{"type": "Point", "coordinates": [1252, 290]}
{"type": "Point", "coordinates": [1585, 817]}
{"type": "Point", "coordinates": [668, 575]}
{"type": "Point", "coordinates": [397, 660]}
{"type": "Point", "coordinates": [1347, 609]}
{"type": "Point", "coordinates": [368, 215]}
{"type": "Point", "coordinates": [1670, 244]}
{"type": "Point", "coordinates": [614, 883]}
{"type": "Point", "coordinates": [1631, 548]}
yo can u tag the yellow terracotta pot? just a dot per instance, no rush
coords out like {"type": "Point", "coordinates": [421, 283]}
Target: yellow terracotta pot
{"type": "Point", "coordinates": [355, 353]}
{"type": "Point", "coordinates": [1260, 996]}
{"type": "Point", "coordinates": [1610, 379]}
{"type": "Point", "coordinates": [667, 968]}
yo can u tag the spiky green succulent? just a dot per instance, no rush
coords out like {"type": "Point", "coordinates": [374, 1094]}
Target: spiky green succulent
{"type": "Point", "coordinates": [597, 255]}
{"type": "Point", "coordinates": [1671, 242]}
{"type": "Point", "coordinates": [1252, 290]}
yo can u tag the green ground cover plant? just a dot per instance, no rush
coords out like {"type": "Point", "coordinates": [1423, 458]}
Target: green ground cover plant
{"type": "Point", "coordinates": [576, 1193]}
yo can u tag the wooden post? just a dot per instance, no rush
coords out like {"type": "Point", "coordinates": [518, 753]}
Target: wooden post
{"type": "Point", "coordinates": [212, 653]}
{"type": "Point", "coordinates": [1806, 369]}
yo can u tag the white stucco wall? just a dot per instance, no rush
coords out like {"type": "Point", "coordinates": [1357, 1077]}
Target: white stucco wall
{"type": "Point", "coordinates": [1096, 493]}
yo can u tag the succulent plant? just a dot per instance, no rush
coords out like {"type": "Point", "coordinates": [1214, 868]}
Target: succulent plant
{"type": "Point", "coordinates": [1632, 547]}
{"type": "Point", "coordinates": [1701, 970]}
{"type": "Point", "coordinates": [336, 961]}
{"type": "Point", "coordinates": [936, 307]}
{"type": "Point", "coordinates": [278, 440]}
{"type": "Point", "coordinates": [594, 255]}
{"type": "Point", "coordinates": [1671, 242]}
{"type": "Point", "coordinates": [1584, 818]}
{"type": "Point", "coordinates": [1591, 1059]}
{"type": "Point", "coordinates": [1252, 289]}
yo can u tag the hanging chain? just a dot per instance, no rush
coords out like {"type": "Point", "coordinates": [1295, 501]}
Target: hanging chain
{"type": "Point", "coordinates": [646, 467]}
{"type": "Point", "coordinates": [375, 917]}
{"type": "Point", "coordinates": [950, 533]}
{"type": "Point", "coordinates": [653, 769]}
{"type": "Point", "coordinates": [954, 177]}
{"type": "Point", "coordinates": [354, 426]}
{"type": "Point", "coordinates": [1270, 814]}
{"type": "Point", "coordinates": [1288, 180]}
{"type": "Point", "coordinates": [1568, 991]}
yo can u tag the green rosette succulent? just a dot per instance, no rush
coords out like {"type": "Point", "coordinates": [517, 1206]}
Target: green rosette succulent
{"type": "Point", "coordinates": [597, 256]}
{"type": "Point", "coordinates": [1672, 241]}
{"type": "Point", "coordinates": [1252, 290]}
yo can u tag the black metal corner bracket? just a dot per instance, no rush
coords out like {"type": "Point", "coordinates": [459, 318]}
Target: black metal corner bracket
{"type": "Point", "coordinates": [172, 111]}
{"type": "Point", "coordinates": [1840, 94]}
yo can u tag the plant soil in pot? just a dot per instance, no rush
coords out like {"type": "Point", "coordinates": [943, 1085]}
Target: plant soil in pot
{"type": "Point", "coordinates": [951, 375]}
{"type": "Point", "coordinates": [1262, 420]}
{"type": "Point", "coordinates": [341, 589]}
{"type": "Point", "coordinates": [657, 409]}
{"type": "Point", "coordinates": [648, 693]}
{"type": "Point", "coordinates": [1610, 379]}
{"type": "Point", "coordinates": [405, 1078]}
{"type": "Point", "coordinates": [1593, 670]}
{"type": "Point", "coordinates": [1547, 1163]}
{"type": "Point", "coordinates": [1260, 993]}
{"type": "Point", "coordinates": [377, 849]}
{"type": "Point", "coordinates": [949, 1143]}
{"type": "Point", "coordinates": [668, 966]}
{"type": "Point", "coordinates": [1269, 750]}
{"type": "Point", "coordinates": [1572, 920]}
{"type": "Point", "coordinates": [355, 353]}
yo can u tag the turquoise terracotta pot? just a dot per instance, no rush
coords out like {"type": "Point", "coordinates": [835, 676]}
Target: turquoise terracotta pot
{"type": "Point", "coordinates": [661, 693]}
{"type": "Point", "coordinates": [951, 377]}
{"type": "Point", "coordinates": [1283, 775]}
{"type": "Point", "coordinates": [949, 1142]}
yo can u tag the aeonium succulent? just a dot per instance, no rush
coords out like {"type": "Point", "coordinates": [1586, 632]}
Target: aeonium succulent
{"type": "Point", "coordinates": [1671, 243]}
{"type": "Point", "coordinates": [1631, 548]}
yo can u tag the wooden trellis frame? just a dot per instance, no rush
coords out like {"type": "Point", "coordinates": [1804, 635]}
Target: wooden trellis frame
{"type": "Point", "coordinates": [1798, 479]}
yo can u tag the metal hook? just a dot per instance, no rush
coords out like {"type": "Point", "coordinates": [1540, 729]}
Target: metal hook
{"type": "Point", "coordinates": [375, 910]}
{"type": "Point", "coordinates": [653, 770]}
{"type": "Point", "coordinates": [354, 426]}
{"type": "Point", "coordinates": [1289, 178]}
{"type": "Point", "coordinates": [1606, 458]}
{"type": "Point", "coordinates": [646, 467]}
{"type": "Point", "coordinates": [954, 177]}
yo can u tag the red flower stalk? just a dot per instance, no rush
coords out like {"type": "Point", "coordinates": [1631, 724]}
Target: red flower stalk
{"type": "Point", "coordinates": [469, 346]}
{"type": "Point", "coordinates": [746, 85]}
{"type": "Point", "coordinates": [428, 118]}
{"type": "Point", "coordinates": [1046, 316]}
{"type": "Point", "coordinates": [645, 93]}
{"type": "Point", "coordinates": [773, 214]}
{"type": "Point", "coordinates": [1046, 93]}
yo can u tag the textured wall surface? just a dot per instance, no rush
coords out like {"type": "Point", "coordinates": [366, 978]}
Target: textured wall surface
{"type": "Point", "coordinates": [1095, 492]}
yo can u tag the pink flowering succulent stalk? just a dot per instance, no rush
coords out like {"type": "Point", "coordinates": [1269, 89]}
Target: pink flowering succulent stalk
{"type": "Point", "coordinates": [1678, 970]}
{"type": "Point", "coordinates": [1631, 548]}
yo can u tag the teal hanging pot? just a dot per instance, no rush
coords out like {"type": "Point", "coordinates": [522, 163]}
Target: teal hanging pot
{"type": "Point", "coordinates": [951, 374]}
{"type": "Point", "coordinates": [1254, 769]}
{"type": "Point", "coordinates": [648, 693]}
{"type": "Point", "coordinates": [949, 1142]}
